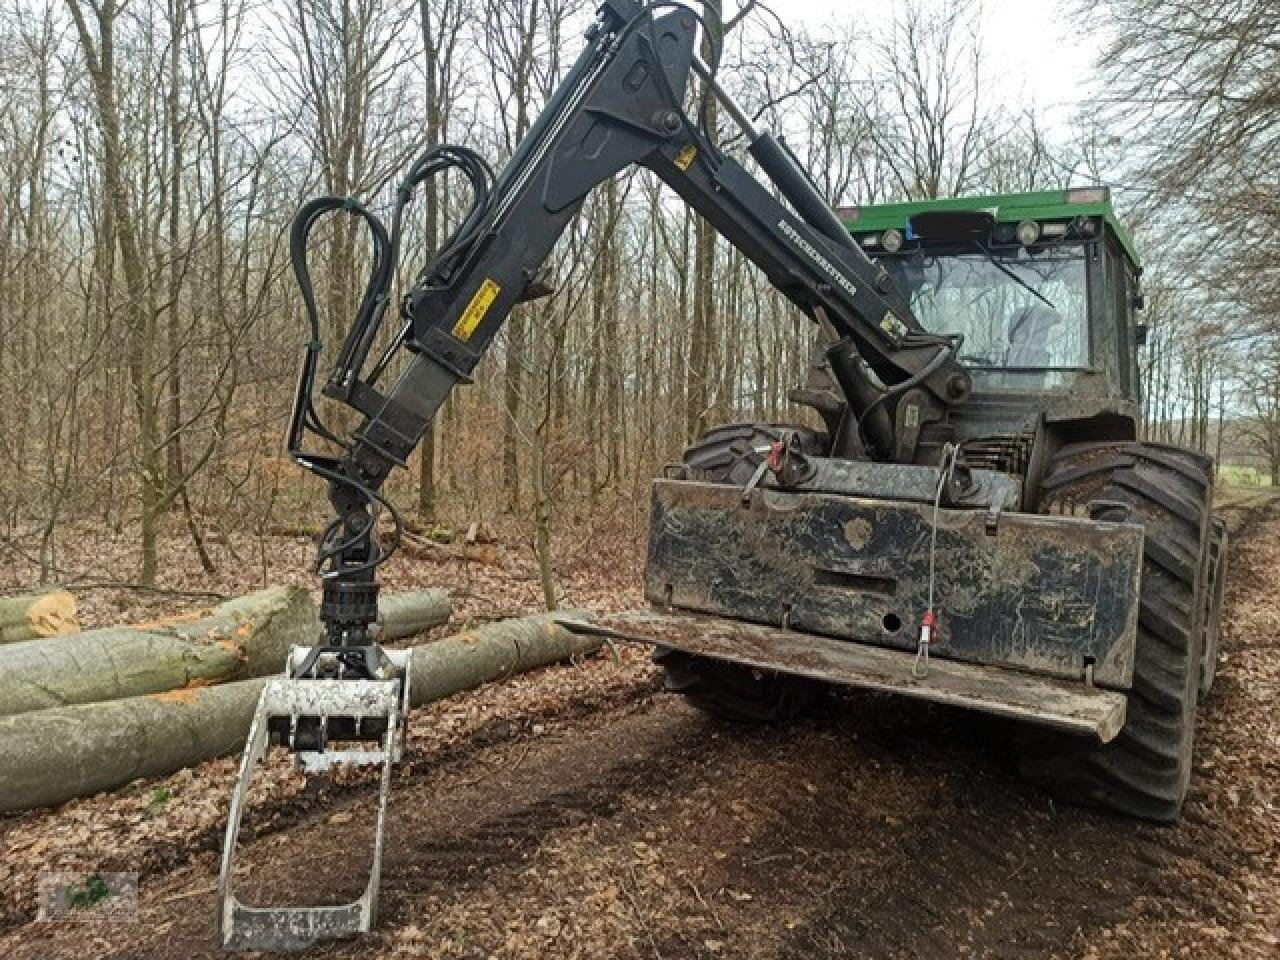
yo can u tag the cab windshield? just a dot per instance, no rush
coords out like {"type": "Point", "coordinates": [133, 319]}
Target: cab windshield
{"type": "Point", "coordinates": [1026, 311]}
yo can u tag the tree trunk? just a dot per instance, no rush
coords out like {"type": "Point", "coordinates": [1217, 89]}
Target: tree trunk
{"type": "Point", "coordinates": [517, 334]}
{"type": "Point", "coordinates": [173, 327]}
{"type": "Point", "coordinates": [704, 311]}
{"type": "Point", "coordinates": [141, 344]}
{"type": "Point", "coordinates": [56, 755]}
{"type": "Point", "coordinates": [47, 614]}
{"type": "Point", "coordinates": [542, 521]}
{"type": "Point", "coordinates": [246, 637]}
{"type": "Point", "coordinates": [405, 615]}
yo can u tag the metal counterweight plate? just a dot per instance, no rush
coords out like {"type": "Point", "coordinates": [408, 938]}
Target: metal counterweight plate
{"type": "Point", "coordinates": [1047, 595]}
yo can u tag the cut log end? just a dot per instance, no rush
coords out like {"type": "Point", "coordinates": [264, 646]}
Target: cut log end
{"type": "Point", "coordinates": [48, 614]}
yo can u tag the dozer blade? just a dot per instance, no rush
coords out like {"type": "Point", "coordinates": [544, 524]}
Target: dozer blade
{"type": "Point", "coordinates": [353, 709]}
{"type": "Point", "coordinates": [1071, 707]}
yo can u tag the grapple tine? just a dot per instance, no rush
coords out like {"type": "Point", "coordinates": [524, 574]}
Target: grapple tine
{"type": "Point", "coordinates": [242, 927]}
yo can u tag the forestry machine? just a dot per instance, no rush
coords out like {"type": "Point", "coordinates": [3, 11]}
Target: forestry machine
{"type": "Point", "coordinates": [976, 522]}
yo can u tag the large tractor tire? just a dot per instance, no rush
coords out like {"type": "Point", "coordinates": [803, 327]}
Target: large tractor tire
{"type": "Point", "coordinates": [733, 691]}
{"type": "Point", "coordinates": [1145, 770]}
{"type": "Point", "coordinates": [731, 455]}
{"type": "Point", "coordinates": [1214, 594]}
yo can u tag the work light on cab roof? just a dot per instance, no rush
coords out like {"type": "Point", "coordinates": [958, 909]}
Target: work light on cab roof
{"type": "Point", "coordinates": [1020, 218]}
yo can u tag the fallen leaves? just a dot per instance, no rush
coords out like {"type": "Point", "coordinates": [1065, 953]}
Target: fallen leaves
{"type": "Point", "coordinates": [1222, 896]}
{"type": "Point", "coordinates": [817, 842]}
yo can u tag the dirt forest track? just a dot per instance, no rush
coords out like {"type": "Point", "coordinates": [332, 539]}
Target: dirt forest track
{"type": "Point", "coordinates": [584, 813]}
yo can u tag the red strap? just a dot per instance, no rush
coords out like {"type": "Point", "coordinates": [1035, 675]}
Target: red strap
{"type": "Point", "coordinates": [775, 456]}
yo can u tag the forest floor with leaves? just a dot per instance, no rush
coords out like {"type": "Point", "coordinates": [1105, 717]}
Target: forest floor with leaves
{"type": "Point", "coordinates": [582, 812]}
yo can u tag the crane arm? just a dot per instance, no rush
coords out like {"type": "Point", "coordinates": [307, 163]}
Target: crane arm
{"type": "Point", "coordinates": [620, 105]}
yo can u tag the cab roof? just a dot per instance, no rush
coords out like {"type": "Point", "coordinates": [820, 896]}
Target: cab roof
{"type": "Point", "coordinates": [1006, 207]}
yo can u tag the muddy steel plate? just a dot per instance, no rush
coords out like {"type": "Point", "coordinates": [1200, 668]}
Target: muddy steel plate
{"type": "Point", "coordinates": [1047, 595]}
{"type": "Point", "coordinates": [1065, 705]}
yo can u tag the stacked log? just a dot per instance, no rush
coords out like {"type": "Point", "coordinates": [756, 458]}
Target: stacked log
{"type": "Point", "coordinates": [51, 756]}
{"type": "Point", "coordinates": [49, 613]}
{"type": "Point", "coordinates": [238, 640]}
{"type": "Point", "coordinates": [246, 637]}
{"type": "Point", "coordinates": [405, 615]}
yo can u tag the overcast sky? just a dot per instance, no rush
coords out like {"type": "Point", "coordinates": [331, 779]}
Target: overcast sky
{"type": "Point", "coordinates": [1033, 49]}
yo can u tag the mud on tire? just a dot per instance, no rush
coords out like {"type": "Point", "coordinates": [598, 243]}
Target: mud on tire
{"type": "Point", "coordinates": [1144, 771]}
{"type": "Point", "coordinates": [730, 455]}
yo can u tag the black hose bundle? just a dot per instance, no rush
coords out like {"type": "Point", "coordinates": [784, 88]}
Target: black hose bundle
{"type": "Point", "coordinates": [946, 352]}
{"type": "Point", "coordinates": [347, 371]}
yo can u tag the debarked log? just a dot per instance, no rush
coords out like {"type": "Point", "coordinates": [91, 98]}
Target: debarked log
{"type": "Point", "coordinates": [51, 756]}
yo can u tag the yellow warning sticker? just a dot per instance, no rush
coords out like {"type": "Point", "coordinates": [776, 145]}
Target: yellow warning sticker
{"type": "Point", "coordinates": [476, 310]}
{"type": "Point", "coordinates": [893, 326]}
{"type": "Point", "coordinates": [685, 158]}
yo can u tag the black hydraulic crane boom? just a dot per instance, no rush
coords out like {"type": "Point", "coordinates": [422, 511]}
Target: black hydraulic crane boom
{"type": "Point", "coordinates": [621, 104]}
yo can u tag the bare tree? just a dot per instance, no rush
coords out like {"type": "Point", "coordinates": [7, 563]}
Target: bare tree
{"type": "Point", "coordinates": [932, 113]}
{"type": "Point", "coordinates": [442, 30]}
{"type": "Point", "coordinates": [96, 25]}
{"type": "Point", "coordinates": [1192, 90]}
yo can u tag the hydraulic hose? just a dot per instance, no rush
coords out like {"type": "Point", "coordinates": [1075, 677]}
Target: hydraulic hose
{"type": "Point", "coordinates": [944, 354]}
{"type": "Point", "coordinates": [341, 538]}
